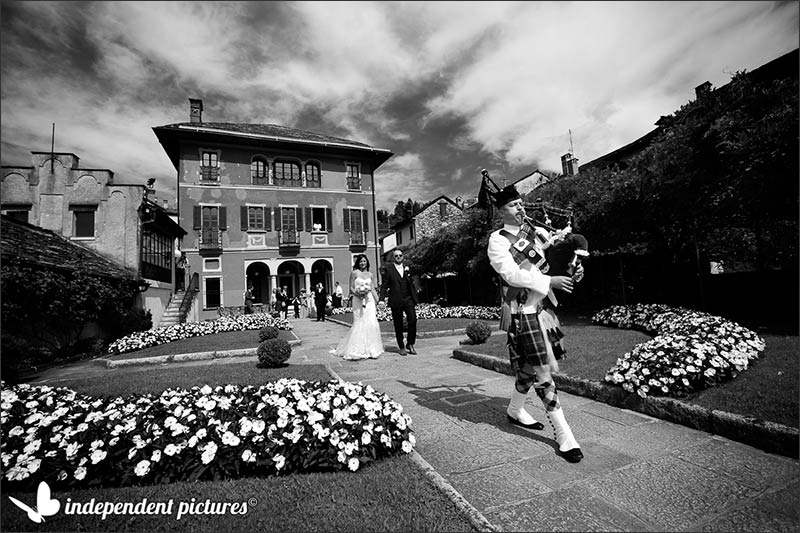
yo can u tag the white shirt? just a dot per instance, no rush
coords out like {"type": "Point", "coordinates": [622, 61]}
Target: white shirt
{"type": "Point", "coordinates": [528, 277]}
{"type": "Point", "coordinates": [338, 290]}
{"type": "Point", "coordinates": [399, 268]}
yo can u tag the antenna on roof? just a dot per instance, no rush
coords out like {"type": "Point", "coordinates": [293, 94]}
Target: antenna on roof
{"type": "Point", "coordinates": [570, 142]}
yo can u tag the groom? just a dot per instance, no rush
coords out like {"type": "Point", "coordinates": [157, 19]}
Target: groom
{"type": "Point", "coordinates": [402, 299]}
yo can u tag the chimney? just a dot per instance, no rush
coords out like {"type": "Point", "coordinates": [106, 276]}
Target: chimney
{"type": "Point", "coordinates": [569, 165]}
{"type": "Point", "coordinates": [195, 110]}
{"type": "Point", "coordinates": [702, 89]}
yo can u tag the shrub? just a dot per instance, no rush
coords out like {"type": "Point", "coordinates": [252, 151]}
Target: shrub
{"type": "Point", "coordinates": [478, 332]}
{"type": "Point", "coordinates": [267, 332]}
{"type": "Point", "coordinates": [272, 353]}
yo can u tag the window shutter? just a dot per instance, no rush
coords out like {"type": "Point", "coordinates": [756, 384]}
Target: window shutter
{"type": "Point", "coordinates": [277, 218]}
{"type": "Point", "coordinates": [197, 217]}
{"type": "Point", "coordinates": [223, 218]}
{"type": "Point", "coordinates": [309, 220]}
{"type": "Point", "coordinates": [243, 211]}
{"type": "Point", "coordinates": [329, 219]}
{"type": "Point", "coordinates": [365, 219]}
{"type": "Point", "coordinates": [268, 218]}
{"type": "Point", "coordinates": [299, 215]}
{"type": "Point", "coordinates": [346, 219]}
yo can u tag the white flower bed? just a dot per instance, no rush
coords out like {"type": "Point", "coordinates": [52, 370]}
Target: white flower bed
{"type": "Point", "coordinates": [73, 440]}
{"type": "Point", "coordinates": [156, 336]}
{"type": "Point", "coordinates": [691, 350]}
{"type": "Point", "coordinates": [428, 311]}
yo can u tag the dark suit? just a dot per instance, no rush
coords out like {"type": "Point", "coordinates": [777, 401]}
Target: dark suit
{"type": "Point", "coordinates": [402, 299]}
{"type": "Point", "coordinates": [320, 301]}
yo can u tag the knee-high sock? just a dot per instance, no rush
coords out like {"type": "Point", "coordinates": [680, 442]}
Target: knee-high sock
{"type": "Point", "coordinates": [547, 393]}
{"type": "Point", "coordinates": [516, 408]}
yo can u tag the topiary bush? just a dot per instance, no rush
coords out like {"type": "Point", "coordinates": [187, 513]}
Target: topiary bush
{"type": "Point", "coordinates": [273, 353]}
{"type": "Point", "coordinates": [478, 332]}
{"type": "Point", "coordinates": [267, 332]}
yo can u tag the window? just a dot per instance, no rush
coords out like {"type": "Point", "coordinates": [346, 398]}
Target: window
{"type": "Point", "coordinates": [288, 222]}
{"type": "Point", "coordinates": [17, 212]}
{"type": "Point", "coordinates": [258, 172]}
{"type": "Point", "coordinates": [356, 222]}
{"type": "Point", "coordinates": [212, 292]}
{"type": "Point", "coordinates": [319, 219]}
{"type": "Point", "coordinates": [411, 232]}
{"type": "Point", "coordinates": [399, 237]}
{"type": "Point", "coordinates": [442, 210]}
{"type": "Point", "coordinates": [83, 221]}
{"type": "Point", "coordinates": [210, 221]}
{"type": "Point", "coordinates": [353, 177]}
{"type": "Point", "coordinates": [156, 255]}
{"type": "Point", "coordinates": [313, 177]}
{"type": "Point", "coordinates": [287, 174]}
{"type": "Point", "coordinates": [209, 166]}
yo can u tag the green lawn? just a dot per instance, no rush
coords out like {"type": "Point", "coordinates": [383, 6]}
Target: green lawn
{"type": "Point", "coordinates": [389, 495]}
{"type": "Point", "coordinates": [768, 389]}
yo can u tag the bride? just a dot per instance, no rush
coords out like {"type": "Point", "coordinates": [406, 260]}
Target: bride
{"type": "Point", "coordinates": [363, 341]}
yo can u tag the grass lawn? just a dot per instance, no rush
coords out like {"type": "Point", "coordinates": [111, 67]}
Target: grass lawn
{"type": "Point", "coordinates": [430, 324]}
{"type": "Point", "coordinates": [389, 495]}
{"type": "Point", "coordinates": [768, 389]}
{"type": "Point", "coordinates": [227, 340]}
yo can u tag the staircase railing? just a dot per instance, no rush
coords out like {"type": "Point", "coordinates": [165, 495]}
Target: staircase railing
{"type": "Point", "coordinates": [188, 298]}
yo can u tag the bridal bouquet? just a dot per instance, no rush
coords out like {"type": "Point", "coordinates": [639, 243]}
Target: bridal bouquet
{"type": "Point", "coordinates": [362, 289]}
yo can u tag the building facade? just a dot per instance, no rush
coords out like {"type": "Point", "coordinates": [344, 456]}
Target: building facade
{"type": "Point", "coordinates": [87, 207]}
{"type": "Point", "coordinates": [269, 207]}
{"type": "Point", "coordinates": [433, 216]}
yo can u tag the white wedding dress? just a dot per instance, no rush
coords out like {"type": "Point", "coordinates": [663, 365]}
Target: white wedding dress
{"type": "Point", "coordinates": [363, 340]}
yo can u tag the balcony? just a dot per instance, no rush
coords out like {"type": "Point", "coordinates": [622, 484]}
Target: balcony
{"type": "Point", "coordinates": [358, 241]}
{"type": "Point", "coordinates": [288, 242]}
{"type": "Point", "coordinates": [209, 174]}
{"type": "Point", "coordinates": [209, 240]}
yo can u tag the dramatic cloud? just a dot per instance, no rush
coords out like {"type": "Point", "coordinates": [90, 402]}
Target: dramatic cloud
{"type": "Point", "coordinates": [449, 87]}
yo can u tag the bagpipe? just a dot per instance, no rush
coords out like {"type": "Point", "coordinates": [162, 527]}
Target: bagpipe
{"type": "Point", "coordinates": [556, 252]}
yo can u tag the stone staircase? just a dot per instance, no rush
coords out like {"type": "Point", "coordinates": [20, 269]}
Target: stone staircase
{"type": "Point", "coordinates": [172, 314]}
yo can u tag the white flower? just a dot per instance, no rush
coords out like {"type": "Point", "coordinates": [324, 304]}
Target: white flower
{"type": "Point", "coordinates": [156, 457]}
{"type": "Point", "coordinates": [80, 473]}
{"type": "Point", "coordinates": [248, 456]}
{"type": "Point", "coordinates": [279, 461]}
{"type": "Point", "coordinates": [406, 446]}
{"type": "Point", "coordinates": [352, 464]}
{"type": "Point", "coordinates": [142, 468]}
{"type": "Point", "coordinates": [230, 439]}
{"type": "Point", "coordinates": [209, 452]}
{"type": "Point", "coordinates": [97, 456]}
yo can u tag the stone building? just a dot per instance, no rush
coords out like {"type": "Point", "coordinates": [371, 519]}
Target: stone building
{"type": "Point", "coordinates": [88, 207]}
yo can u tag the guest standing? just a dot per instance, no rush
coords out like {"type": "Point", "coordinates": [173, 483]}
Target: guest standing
{"type": "Point", "coordinates": [320, 301]}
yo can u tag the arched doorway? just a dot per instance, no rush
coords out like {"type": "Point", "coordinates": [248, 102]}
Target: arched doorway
{"type": "Point", "coordinates": [321, 272]}
{"type": "Point", "coordinates": [290, 274]}
{"type": "Point", "coordinates": [258, 276]}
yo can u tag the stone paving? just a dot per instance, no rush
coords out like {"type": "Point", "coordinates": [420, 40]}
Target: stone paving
{"type": "Point", "coordinates": [639, 474]}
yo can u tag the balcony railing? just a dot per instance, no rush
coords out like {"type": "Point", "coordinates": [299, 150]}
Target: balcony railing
{"type": "Point", "coordinates": [210, 238]}
{"type": "Point", "coordinates": [358, 238]}
{"type": "Point", "coordinates": [289, 237]}
{"type": "Point", "coordinates": [209, 173]}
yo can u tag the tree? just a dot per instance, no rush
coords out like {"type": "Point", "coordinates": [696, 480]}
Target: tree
{"type": "Point", "coordinates": [719, 182]}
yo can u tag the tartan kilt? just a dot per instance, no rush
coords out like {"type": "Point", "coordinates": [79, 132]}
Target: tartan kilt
{"type": "Point", "coordinates": [526, 343]}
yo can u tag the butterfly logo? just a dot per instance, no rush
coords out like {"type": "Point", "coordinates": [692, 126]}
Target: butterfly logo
{"type": "Point", "coordinates": [45, 506]}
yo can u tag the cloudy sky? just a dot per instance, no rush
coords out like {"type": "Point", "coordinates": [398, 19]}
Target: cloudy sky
{"type": "Point", "coordinates": [449, 87]}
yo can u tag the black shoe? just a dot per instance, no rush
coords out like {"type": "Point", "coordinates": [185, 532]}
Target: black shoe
{"type": "Point", "coordinates": [402, 351]}
{"type": "Point", "coordinates": [573, 456]}
{"type": "Point", "coordinates": [411, 349]}
{"type": "Point", "coordinates": [535, 425]}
